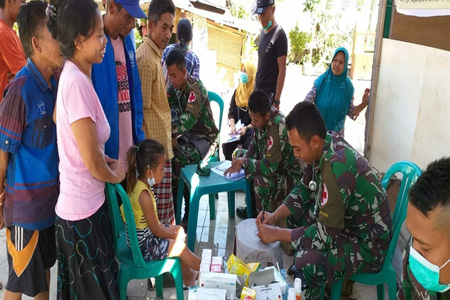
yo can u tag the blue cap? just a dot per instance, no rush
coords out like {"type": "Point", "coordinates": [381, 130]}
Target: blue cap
{"type": "Point", "coordinates": [133, 8]}
{"type": "Point", "coordinates": [262, 5]}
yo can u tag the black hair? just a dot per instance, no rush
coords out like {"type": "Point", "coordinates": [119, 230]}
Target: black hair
{"type": "Point", "coordinates": [184, 32]}
{"type": "Point", "coordinates": [30, 20]}
{"type": "Point", "coordinates": [432, 188]}
{"type": "Point", "coordinates": [70, 18]}
{"type": "Point", "coordinates": [307, 119]}
{"type": "Point", "coordinates": [157, 8]}
{"type": "Point", "coordinates": [259, 102]}
{"type": "Point", "coordinates": [2, 3]}
{"type": "Point", "coordinates": [177, 56]}
{"type": "Point", "coordinates": [141, 158]}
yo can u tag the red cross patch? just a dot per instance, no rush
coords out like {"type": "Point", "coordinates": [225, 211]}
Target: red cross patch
{"type": "Point", "coordinates": [270, 144]}
{"type": "Point", "coordinates": [192, 97]}
{"type": "Point", "coordinates": [324, 195]}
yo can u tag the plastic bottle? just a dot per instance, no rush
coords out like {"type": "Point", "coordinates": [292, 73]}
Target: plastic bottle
{"type": "Point", "coordinates": [291, 294]}
{"type": "Point", "coordinates": [298, 288]}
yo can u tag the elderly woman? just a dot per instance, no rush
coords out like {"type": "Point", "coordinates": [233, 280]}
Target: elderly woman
{"type": "Point", "coordinates": [333, 93]}
{"type": "Point", "coordinates": [238, 110]}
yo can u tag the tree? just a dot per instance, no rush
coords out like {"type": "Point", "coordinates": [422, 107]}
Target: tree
{"type": "Point", "coordinates": [298, 41]}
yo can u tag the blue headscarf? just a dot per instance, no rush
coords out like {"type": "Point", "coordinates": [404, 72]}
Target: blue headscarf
{"type": "Point", "coordinates": [334, 95]}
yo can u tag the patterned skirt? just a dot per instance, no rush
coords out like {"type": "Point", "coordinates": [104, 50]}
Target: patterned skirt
{"type": "Point", "coordinates": [87, 267]}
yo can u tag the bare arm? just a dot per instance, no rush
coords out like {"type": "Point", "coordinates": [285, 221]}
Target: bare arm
{"type": "Point", "coordinates": [158, 229]}
{"type": "Point", "coordinates": [85, 134]}
{"type": "Point", "coordinates": [281, 77]}
{"type": "Point", "coordinates": [4, 156]}
{"type": "Point", "coordinates": [365, 101]}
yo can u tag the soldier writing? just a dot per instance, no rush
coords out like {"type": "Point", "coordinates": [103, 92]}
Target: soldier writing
{"type": "Point", "coordinates": [340, 220]}
{"type": "Point", "coordinates": [269, 163]}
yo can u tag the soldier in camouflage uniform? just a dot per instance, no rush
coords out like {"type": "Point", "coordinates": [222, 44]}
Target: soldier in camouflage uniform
{"type": "Point", "coordinates": [429, 224]}
{"type": "Point", "coordinates": [269, 163]}
{"type": "Point", "coordinates": [194, 132]}
{"type": "Point", "coordinates": [339, 213]}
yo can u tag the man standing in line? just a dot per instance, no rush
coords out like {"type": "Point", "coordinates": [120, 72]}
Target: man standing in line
{"type": "Point", "coordinates": [29, 159]}
{"type": "Point", "coordinates": [12, 57]}
{"type": "Point", "coordinates": [116, 79]}
{"type": "Point", "coordinates": [157, 117]}
{"type": "Point", "coordinates": [272, 52]}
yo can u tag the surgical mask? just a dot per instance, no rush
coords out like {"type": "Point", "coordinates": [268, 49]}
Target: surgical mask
{"type": "Point", "coordinates": [426, 273]}
{"type": "Point", "coordinates": [244, 77]}
{"type": "Point", "coordinates": [151, 181]}
{"type": "Point", "coordinates": [268, 25]}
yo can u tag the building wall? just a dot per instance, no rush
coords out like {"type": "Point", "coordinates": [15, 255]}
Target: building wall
{"type": "Point", "coordinates": [412, 105]}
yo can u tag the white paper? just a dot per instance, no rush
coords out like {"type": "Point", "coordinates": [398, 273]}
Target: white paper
{"type": "Point", "coordinates": [220, 170]}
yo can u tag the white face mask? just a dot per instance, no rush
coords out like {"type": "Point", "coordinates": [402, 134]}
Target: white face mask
{"type": "Point", "coordinates": [151, 181]}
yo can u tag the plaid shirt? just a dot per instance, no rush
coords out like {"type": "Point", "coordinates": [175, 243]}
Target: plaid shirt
{"type": "Point", "coordinates": [192, 63]}
{"type": "Point", "coordinates": [157, 117]}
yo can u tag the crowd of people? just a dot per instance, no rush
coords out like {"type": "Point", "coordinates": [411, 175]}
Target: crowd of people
{"type": "Point", "coordinates": [80, 107]}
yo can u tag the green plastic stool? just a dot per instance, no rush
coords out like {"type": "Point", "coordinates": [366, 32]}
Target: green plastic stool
{"type": "Point", "coordinates": [131, 263]}
{"type": "Point", "coordinates": [387, 274]}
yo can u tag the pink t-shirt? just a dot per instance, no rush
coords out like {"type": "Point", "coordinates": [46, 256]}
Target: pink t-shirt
{"type": "Point", "coordinates": [81, 195]}
{"type": "Point", "coordinates": [125, 127]}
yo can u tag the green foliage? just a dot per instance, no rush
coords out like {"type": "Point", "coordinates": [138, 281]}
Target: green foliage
{"type": "Point", "coordinates": [299, 41]}
{"type": "Point", "coordinates": [327, 31]}
{"type": "Point", "coordinates": [238, 11]}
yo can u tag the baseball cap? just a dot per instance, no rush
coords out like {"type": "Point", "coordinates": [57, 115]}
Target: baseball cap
{"type": "Point", "coordinates": [262, 5]}
{"type": "Point", "coordinates": [133, 8]}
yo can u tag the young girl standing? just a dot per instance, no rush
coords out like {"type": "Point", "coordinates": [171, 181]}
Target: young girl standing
{"type": "Point", "coordinates": [157, 241]}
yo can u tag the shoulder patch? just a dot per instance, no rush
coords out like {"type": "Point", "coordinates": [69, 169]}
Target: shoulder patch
{"type": "Point", "coordinates": [324, 195]}
{"type": "Point", "coordinates": [270, 144]}
{"type": "Point", "coordinates": [192, 97]}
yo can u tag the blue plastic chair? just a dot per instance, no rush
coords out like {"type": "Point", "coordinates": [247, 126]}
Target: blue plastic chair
{"type": "Point", "coordinates": [387, 274]}
{"type": "Point", "coordinates": [131, 263]}
{"type": "Point", "coordinates": [207, 185]}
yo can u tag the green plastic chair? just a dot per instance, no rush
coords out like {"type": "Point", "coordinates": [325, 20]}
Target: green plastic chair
{"type": "Point", "coordinates": [387, 274]}
{"type": "Point", "coordinates": [131, 263]}
{"type": "Point", "coordinates": [213, 97]}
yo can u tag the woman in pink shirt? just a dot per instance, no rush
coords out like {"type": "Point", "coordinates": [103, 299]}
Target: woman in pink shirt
{"type": "Point", "coordinates": [87, 268]}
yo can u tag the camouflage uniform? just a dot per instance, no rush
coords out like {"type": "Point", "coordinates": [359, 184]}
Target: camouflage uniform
{"type": "Point", "coordinates": [270, 164]}
{"type": "Point", "coordinates": [411, 288]}
{"type": "Point", "coordinates": [191, 114]}
{"type": "Point", "coordinates": [344, 226]}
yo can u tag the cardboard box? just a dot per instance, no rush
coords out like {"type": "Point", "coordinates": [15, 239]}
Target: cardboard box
{"type": "Point", "coordinates": [206, 293]}
{"type": "Point", "coordinates": [269, 292]}
{"type": "Point", "coordinates": [206, 256]}
{"type": "Point", "coordinates": [279, 279]}
{"type": "Point", "coordinates": [228, 282]}
{"type": "Point", "coordinates": [205, 268]}
{"type": "Point", "coordinates": [216, 264]}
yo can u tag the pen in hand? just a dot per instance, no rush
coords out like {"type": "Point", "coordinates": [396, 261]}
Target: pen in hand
{"type": "Point", "coordinates": [262, 218]}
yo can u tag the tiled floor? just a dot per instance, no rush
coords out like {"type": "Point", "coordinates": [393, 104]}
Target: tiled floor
{"type": "Point", "coordinates": [213, 234]}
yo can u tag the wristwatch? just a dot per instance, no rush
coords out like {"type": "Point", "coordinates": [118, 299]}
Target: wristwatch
{"type": "Point", "coordinates": [277, 102]}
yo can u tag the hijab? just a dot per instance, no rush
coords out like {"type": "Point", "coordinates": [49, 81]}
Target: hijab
{"type": "Point", "coordinates": [334, 95]}
{"type": "Point", "coordinates": [244, 90]}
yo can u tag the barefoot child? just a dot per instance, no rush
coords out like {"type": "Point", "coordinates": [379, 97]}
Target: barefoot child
{"type": "Point", "coordinates": [157, 241]}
